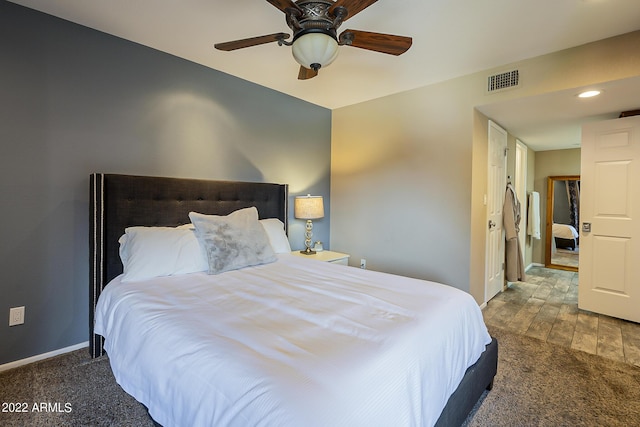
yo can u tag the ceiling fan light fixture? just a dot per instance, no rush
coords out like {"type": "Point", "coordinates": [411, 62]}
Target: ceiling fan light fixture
{"type": "Point", "coordinates": [315, 24]}
{"type": "Point", "coordinates": [314, 50]}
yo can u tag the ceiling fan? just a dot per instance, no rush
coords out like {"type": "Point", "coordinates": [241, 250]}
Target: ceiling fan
{"type": "Point", "coordinates": [315, 38]}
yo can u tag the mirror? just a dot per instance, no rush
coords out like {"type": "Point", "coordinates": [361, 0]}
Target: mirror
{"type": "Point", "coordinates": [563, 222]}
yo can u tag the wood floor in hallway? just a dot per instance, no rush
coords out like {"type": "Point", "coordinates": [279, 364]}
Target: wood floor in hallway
{"type": "Point", "coordinates": [546, 307]}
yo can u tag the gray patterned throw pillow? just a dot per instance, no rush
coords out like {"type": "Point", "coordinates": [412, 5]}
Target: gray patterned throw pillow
{"type": "Point", "coordinates": [234, 241]}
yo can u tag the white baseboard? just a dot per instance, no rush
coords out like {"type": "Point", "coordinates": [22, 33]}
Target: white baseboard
{"type": "Point", "coordinates": [43, 356]}
{"type": "Point", "coordinates": [533, 264]}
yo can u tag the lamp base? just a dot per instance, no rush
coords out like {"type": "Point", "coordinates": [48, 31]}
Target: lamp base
{"type": "Point", "coordinates": [308, 251]}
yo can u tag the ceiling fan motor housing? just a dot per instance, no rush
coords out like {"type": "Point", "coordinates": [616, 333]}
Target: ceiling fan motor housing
{"type": "Point", "coordinates": [313, 17]}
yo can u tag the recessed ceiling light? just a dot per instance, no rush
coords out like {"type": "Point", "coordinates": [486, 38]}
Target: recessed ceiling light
{"type": "Point", "coordinates": [589, 94]}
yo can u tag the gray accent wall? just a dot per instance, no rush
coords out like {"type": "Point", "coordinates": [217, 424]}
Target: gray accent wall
{"type": "Point", "coordinates": [75, 101]}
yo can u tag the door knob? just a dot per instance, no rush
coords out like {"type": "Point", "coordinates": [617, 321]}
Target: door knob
{"type": "Point", "coordinates": [492, 225]}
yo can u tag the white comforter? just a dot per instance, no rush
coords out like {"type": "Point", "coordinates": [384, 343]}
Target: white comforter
{"type": "Point", "coordinates": [294, 343]}
{"type": "Point", "coordinates": [564, 231]}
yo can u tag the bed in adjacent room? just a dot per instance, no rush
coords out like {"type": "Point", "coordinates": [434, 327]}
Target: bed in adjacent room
{"type": "Point", "coordinates": [565, 236]}
{"type": "Point", "coordinates": [212, 321]}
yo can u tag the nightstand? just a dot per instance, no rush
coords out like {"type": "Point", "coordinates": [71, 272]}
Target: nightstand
{"type": "Point", "coordinates": [327, 256]}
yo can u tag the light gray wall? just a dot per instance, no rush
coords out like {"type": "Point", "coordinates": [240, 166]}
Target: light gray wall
{"type": "Point", "coordinates": [75, 101]}
{"type": "Point", "coordinates": [400, 173]}
{"type": "Point", "coordinates": [409, 171]}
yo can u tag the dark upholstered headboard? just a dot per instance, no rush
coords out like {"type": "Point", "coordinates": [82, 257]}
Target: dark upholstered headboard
{"type": "Point", "coordinates": [121, 201]}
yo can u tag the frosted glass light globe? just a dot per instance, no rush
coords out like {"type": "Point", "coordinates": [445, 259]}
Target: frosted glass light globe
{"type": "Point", "coordinates": [315, 50]}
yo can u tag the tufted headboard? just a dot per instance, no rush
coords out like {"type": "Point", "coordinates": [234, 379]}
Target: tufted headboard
{"type": "Point", "coordinates": [121, 201]}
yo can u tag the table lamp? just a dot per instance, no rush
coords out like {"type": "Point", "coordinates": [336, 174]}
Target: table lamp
{"type": "Point", "coordinates": [308, 207]}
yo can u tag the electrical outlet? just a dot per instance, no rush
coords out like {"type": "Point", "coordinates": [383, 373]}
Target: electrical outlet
{"type": "Point", "coordinates": [363, 263]}
{"type": "Point", "coordinates": [16, 316]}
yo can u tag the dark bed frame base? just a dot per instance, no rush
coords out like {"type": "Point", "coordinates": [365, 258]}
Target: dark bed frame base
{"type": "Point", "coordinates": [477, 379]}
{"type": "Point", "coordinates": [120, 201]}
{"type": "Point", "coordinates": [566, 243]}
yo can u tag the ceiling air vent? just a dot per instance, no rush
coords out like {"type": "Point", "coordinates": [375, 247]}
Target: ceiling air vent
{"type": "Point", "coordinates": [503, 81]}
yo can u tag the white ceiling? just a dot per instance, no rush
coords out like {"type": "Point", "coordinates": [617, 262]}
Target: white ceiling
{"type": "Point", "coordinates": [553, 121]}
{"type": "Point", "coordinates": [451, 38]}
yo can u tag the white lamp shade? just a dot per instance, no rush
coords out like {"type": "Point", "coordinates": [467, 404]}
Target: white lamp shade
{"type": "Point", "coordinates": [308, 207]}
{"type": "Point", "coordinates": [315, 48]}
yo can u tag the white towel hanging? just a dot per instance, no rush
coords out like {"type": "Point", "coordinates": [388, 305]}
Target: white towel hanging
{"type": "Point", "coordinates": [533, 226]}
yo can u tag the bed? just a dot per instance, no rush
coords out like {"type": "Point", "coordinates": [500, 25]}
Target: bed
{"type": "Point", "coordinates": [565, 236]}
{"type": "Point", "coordinates": [291, 341]}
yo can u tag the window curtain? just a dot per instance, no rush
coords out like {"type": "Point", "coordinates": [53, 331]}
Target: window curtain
{"type": "Point", "coordinates": [573, 194]}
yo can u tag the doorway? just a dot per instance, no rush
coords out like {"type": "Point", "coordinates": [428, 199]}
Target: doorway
{"type": "Point", "coordinates": [562, 239]}
{"type": "Point", "coordinates": [520, 185]}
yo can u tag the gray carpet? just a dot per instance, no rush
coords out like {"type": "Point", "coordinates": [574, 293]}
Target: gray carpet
{"type": "Point", "coordinates": [66, 380]}
{"type": "Point", "coordinates": [538, 384]}
{"type": "Point", "coordinates": [542, 384]}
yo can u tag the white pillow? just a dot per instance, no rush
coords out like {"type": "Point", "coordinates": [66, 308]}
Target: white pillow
{"type": "Point", "coordinates": [234, 241]}
{"type": "Point", "coordinates": [277, 237]}
{"type": "Point", "coordinates": [148, 252]}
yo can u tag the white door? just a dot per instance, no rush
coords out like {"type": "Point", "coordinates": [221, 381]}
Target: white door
{"type": "Point", "coordinates": [610, 204]}
{"type": "Point", "coordinates": [494, 268]}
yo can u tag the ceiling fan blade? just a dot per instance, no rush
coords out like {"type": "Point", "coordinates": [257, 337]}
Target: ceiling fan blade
{"type": "Point", "coordinates": [252, 41]}
{"type": "Point", "coordinates": [284, 4]}
{"type": "Point", "coordinates": [385, 43]}
{"type": "Point", "coordinates": [352, 6]}
{"type": "Point", "coordinates": [306, 73]}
